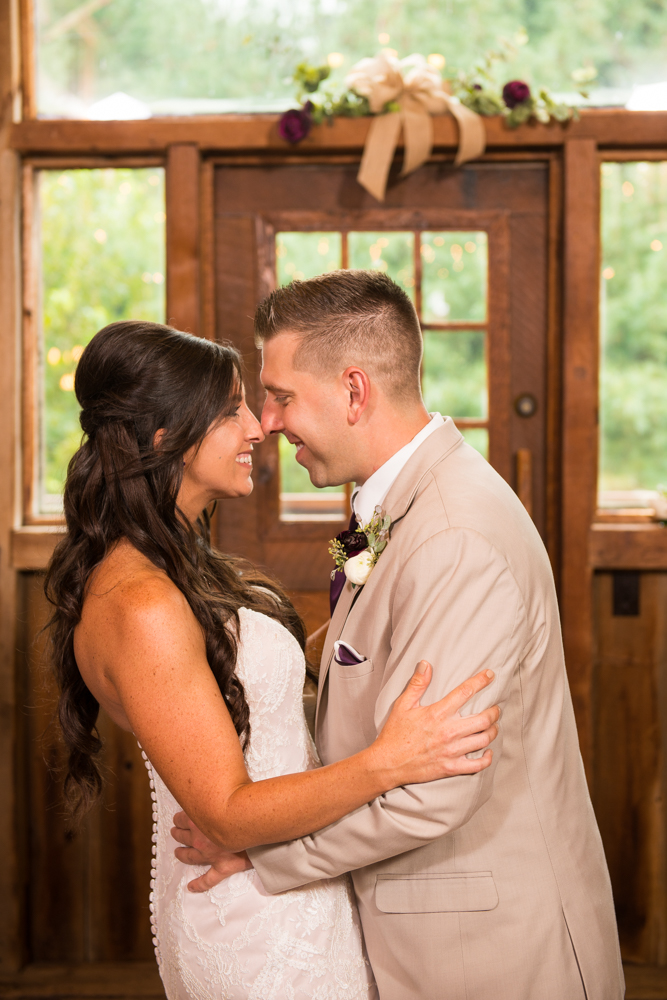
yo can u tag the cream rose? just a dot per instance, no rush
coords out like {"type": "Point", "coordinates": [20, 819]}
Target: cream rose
{"type": "Point", "coordinates": [358, 568]}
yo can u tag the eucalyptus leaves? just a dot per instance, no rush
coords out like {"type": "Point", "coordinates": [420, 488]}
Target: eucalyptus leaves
{"type": "Point", "coordinates": [359, 566]}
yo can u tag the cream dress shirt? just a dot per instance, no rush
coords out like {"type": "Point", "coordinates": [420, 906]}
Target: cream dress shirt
{"type": "Point", "coordinates": [367, 497]}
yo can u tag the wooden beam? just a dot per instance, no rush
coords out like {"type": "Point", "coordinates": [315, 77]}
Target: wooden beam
{"type": "Point", "coordinates": [580, 432]}
{"type": "Point", "coordinates": [610, 128]}
{"type": "Point", "coordinates": [628, 546]}
{"type": "Point", "coordinates": [11, 832]}
{"type": "Point", "coordinates": [183, 207]}
{"type": "Point", "coordinates": [127, 980]}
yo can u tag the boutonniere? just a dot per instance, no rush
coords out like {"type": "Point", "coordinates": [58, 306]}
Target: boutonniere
{"type": "Point", "coordinates": [355, 553]}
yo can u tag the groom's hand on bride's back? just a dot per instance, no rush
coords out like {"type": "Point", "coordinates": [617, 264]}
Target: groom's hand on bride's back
{"type": "Point", "coordinates": [197, 849]}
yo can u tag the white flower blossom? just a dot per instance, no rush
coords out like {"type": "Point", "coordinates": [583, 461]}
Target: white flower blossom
{"type": "Point", "coordinates": [358, 568]}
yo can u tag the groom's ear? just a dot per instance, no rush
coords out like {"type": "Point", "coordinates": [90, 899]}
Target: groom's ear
{"type": "Point", "coordinates": [358, 388]}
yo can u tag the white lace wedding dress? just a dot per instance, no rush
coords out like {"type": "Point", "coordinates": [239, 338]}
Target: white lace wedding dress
{"type": "Point", "coordinates": [236, 941]}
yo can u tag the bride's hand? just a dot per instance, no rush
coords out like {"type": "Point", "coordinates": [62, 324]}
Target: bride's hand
{"type": "Point", "coordinates": [197, 849]}
{"type": "Point", "coordinates": [426, 743]}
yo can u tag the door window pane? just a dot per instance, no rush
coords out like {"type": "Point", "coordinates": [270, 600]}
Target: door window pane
{"type": "Point", "coordinates": [392, 253]}
{"type": "Point", "coordinates": [633, 323]}
{"type": "Point", "coordinates": [102, 238]}
{"type": "Point", "coordinates": [454, 373]}
{"type": "Point", "coordinates": [300, 256]}
{"type": "Point", "coordinates": [454, 276]}
{"type": "Point", "coordinates": [305, 255]}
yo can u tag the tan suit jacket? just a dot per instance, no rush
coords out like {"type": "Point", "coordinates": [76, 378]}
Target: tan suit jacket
{"type": "Point", "coordinates": [480, 887]}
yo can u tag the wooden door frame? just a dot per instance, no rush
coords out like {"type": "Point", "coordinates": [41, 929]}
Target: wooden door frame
{"type": "Point", "coordinates": [188, 146]}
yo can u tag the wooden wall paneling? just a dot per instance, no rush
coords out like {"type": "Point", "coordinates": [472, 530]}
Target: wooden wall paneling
{"type": "Point", "coordinates": [58, 857]}
{"type": "Point", "coordinates": [630, 736]}
{"type": "Point", "coordinates": [580, 433]}
{"type": "Point", "coordinates": [89, 884]}
{"type": "Point", "coordinates": [121, 854]}
{"type": "Point", "coordinates": [183, 208]}
{"type": "Point", "coordinates": [12, 870]}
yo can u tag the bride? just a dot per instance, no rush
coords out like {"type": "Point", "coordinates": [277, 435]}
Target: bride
{"type": "Point", "coordinates": [201, 657]}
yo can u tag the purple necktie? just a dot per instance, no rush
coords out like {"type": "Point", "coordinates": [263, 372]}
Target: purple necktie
{"type": "Point", "coordinates": [338, 579]}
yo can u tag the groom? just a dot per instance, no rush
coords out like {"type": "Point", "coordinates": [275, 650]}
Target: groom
{"type": "Point", "coordinates": [490, 886]}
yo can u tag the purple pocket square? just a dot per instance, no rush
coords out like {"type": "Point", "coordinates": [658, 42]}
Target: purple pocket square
{"type": "Point", "coordinates": [346, 655]}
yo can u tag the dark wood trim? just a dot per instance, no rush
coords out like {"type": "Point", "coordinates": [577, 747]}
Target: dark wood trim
{"type": "Point", "coordinates": [498, 351]}
{"type": "Point", "coordinates": [580, 435]}
{"type": "Point", "coordinates": [91, 162]}
{"type": "Point", "coordinates": [31, 361]}
{"type": "Point", "coordinates": [207, 249]}
{"type": "Point", "coordinates": [183, 208]}
{"type": "Point", "coordinates": [611, 128]}
{"type": "Point", "coordinates": [628, 546]}
{"type": "Point", "coordinates": [554, 373]}
{"type": "Point", "coordinates": [28, 74]}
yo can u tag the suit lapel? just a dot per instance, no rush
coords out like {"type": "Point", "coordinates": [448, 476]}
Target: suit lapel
{"type": "Point", "coordinates": [398, 501]}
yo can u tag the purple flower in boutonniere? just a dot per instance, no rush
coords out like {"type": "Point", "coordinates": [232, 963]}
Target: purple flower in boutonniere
{"type": "Point", "coordinates": [295, 124]}
{"type": "Point", "coordinates": [356, 552]}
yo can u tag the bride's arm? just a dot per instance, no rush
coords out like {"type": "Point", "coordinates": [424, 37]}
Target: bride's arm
{"type": "Point", "coordinates": [155, 656]}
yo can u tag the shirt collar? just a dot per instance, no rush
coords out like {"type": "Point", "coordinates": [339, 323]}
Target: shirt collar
{"type": "Point", "coordinates": [371, 495]}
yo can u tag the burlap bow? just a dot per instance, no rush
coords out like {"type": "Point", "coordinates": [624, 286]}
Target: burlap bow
{"type": "Point", "coordinates": [417, 88]}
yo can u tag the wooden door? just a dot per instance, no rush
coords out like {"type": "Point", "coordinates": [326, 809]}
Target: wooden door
{"type": "Point", "coordinates": [504, 207]}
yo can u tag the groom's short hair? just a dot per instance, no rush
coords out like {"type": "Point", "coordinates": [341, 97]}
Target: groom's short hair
{"type": "Point", "coordinates": [346, 318]}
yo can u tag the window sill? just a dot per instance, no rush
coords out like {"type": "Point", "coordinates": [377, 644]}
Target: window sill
{"type": "Point", "coordinates": [638, 545]}
{"type": "Point", "coordinates": [33, 545]}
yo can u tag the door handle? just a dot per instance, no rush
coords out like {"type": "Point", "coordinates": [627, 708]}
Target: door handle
{"type": "Point", "coordinates": [524, 478]}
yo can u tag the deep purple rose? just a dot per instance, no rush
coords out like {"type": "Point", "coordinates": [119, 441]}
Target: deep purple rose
{"type": "Point", "coordinates": [515, 92]}
{"type": "Point", "coordinates": [353, 541]}
{"type": "Point", "coordinates": [294, 125]}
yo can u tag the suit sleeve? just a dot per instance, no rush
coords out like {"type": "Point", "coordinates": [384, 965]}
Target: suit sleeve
{"type": "Point", "coordinates": [457, 605]}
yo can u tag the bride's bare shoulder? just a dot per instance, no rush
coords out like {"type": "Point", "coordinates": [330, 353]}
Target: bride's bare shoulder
{"type": "Point", "coordinates": [128, 587]}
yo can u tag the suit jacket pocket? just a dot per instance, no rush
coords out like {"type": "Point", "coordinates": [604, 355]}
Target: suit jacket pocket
{"type": "Point", "coordinates": [434, 893]}
{"type": "Point", "coordinates": [349, 670]}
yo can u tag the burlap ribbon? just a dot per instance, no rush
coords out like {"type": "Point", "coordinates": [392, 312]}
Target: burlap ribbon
{"type": "Point", "coordinates": [418, 90]}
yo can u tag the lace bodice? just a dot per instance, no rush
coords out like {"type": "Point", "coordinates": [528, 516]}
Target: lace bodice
{"type": "Point", "coordinates": [236, 941]}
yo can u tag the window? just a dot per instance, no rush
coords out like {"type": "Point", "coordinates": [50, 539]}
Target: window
{"type": "Point", "coordinates": [445, 274]}
{"type": "Point", "coordinates": [131, 59]}
{"type": "Point", "coordinates": [633, 323]}
{"type": "Point", "coordinates": [102, 241]}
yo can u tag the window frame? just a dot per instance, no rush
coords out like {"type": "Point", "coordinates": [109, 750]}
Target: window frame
{"type": "Point", "coordinates": [496, 326]}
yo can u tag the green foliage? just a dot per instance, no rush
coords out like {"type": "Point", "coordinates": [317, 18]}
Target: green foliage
{"type": "Point", "coordinates": [102, 235]}
{"type": "Point", "coordinates": [633, 378]}
{"type": "Point", "coordinates": [159, 49]}
{"type": "Point", "coordinates": [308, 78]}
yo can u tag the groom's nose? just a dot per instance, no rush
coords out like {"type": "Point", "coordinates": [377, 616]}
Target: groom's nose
{"type": "Point", "coordinates": [271, 418]}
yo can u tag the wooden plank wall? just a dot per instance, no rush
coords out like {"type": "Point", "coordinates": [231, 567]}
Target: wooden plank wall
{"type": "Point", "coordinates": [76, 910]}
{"type": "Point", "coordinates": [630, 754]}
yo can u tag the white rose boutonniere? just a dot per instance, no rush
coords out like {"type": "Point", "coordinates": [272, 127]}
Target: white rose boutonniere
{"type": "Point", "coordinates": [358, 568]}
{"type": "Point", "coordinates": [352, 557]}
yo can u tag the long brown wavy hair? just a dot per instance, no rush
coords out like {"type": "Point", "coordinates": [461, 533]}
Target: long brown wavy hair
{"type": "Point", "coordinates": [134, 378]}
